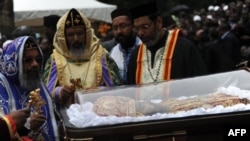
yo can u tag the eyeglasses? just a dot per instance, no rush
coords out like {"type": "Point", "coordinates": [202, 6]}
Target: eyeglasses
{"type": "Point", "coordinates": [29, 60]}
{"type": "Point", "coordinates": [143, 27]}
{"type": "Point", "coordinates": [121, 26]}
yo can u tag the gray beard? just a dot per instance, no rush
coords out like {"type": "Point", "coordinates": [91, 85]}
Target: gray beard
{"type": "Point", "coordinates": [30, 83]}
{"type": "Point", "coordinates": [76, 53]}
{"type": "Point", "coordinates": [152, 42]}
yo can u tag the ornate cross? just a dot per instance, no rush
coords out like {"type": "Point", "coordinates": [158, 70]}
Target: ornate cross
{"type": "Point", "coordinates": [35, 100]}
{"type": "Point", "coordinates": [77, 83]}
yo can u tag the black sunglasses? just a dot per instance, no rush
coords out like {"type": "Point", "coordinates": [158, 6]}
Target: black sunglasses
{"type": "Point", "coordinates": [30, 59]}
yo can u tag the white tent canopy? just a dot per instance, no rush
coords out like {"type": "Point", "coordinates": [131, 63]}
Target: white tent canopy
{"type": "Point", "coordinates": [31, 12]}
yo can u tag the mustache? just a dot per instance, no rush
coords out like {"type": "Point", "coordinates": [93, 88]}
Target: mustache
{"type": "Point", "coordinates": [33, 70]}
{"type": "Point", "coordinates": [120, 36]}
{"type": "Point", "coordinates": [77, 44]}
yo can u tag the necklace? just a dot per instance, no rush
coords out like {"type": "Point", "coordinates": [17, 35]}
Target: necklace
{"type": "Point", "coordinates": [149, 66]}
{"type": "Point", "coordinates": [77, 83]}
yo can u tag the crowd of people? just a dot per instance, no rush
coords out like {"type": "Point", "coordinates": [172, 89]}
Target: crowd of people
{"type": "Point", "coordinates": [221, 34]}
{"type": "Point", "coordinates": [145, 49]}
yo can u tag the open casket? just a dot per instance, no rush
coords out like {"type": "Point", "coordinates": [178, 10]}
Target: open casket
{"type": "Point", "coordinates": [198, 108]}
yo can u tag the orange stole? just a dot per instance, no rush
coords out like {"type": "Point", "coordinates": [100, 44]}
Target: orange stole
{"type": "Point", "coordinates": [169, 50]}
{"type": "Point", "coordinates": [139, 64]}
{"type": "Point", "coordinates": [171, 42]}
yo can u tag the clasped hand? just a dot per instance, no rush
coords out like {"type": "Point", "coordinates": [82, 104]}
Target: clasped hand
{"type": "Point", "coordinates": [20, 117]}
{"type": "Point", "coordinates": [36, 120]}
{"type": "Point", "coordinates": [66, 95]}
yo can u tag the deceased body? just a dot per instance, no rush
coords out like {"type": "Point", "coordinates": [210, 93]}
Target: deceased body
{"type": "Point", "coordinates": [126, 106]}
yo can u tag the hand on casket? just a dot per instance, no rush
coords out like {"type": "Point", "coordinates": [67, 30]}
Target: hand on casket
{"type": "Point", "coordinates": [67, 95]}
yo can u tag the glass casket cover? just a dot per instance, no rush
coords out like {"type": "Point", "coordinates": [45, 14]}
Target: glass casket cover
{"type": "Point", "coordinates": [208, 95]}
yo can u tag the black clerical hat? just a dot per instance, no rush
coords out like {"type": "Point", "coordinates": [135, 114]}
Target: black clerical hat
{"type": "Point", "coordinates": [144, 9]}
{"type": "Point", "coordinates": [74, 19]}
{"type": "Point", "coordinates": [50, 21]}
{"type": "Point", "coordinates": [30, 44]}
{"type": "Point", "coordinates": [121, 12]}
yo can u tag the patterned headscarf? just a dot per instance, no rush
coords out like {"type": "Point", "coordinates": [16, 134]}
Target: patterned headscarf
{"type": "Point", "coordinates": [11, 63]}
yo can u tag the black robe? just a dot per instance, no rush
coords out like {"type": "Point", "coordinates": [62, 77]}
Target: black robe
{"type": "Point", "coordinates": [186, 61]}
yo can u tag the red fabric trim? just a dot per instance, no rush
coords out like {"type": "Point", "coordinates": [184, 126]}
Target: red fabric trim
{"type": "Point", "coordinates": [25, 138]}
{"type": "Point", "coordinates": [12, 123]}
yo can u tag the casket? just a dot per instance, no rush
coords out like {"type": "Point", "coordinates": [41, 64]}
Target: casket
{"type": "Point", "coordinates": [199, 108]}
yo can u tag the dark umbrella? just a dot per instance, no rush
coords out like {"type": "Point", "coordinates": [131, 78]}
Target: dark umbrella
{"type": "Point", "coordinates": [179, 8]}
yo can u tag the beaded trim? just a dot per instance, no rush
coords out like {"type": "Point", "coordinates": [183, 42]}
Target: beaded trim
{"type": "Point", "coordinates": [159, 68]}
